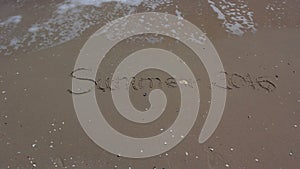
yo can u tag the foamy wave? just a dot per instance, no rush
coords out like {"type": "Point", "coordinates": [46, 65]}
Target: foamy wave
{"type": "Point", "coordinates": [237, 17]}
{"type": "Point", "coordinates": [70, 19]}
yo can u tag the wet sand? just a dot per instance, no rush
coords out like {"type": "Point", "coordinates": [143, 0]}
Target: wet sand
{"type": "Point", "coordinates": [260, 124]}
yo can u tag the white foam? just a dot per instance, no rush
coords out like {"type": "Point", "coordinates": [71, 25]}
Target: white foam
{"type": "Point", "coordinates": [237, 17]}
{"type": "Point", "coordinates": [178, 13]}
{"type": "Point", "coordinates": [13, 20]}
{"type": "Point", "coordinates": [34, 28]}
{"type": "Point", "coordinates": [220, 14]}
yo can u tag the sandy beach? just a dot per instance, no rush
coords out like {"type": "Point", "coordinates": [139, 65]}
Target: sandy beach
{"type": "Point", "coordinates": [258, 43]}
